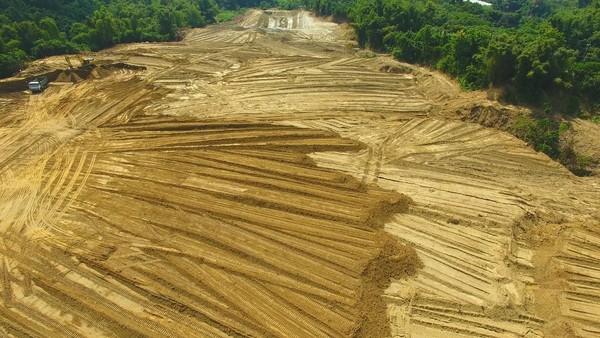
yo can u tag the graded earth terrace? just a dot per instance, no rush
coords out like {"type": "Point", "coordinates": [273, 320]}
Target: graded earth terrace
{"type": "Point", "coordinates": [263, 178]}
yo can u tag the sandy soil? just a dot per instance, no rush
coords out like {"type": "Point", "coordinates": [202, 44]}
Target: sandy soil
{"type": "Point", "coordinates": [585, 135]}
{"type": "Point", "coordinates": [261, 179]}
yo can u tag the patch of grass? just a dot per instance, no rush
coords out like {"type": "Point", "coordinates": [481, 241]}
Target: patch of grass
{"type": "Point", "coordinates": [225, 16]}
{"type": "Point", "coordinates": [555, 140]}
{"type": "Point", "coordinates": [289, 4]}
{"type": "Point", "coordinates": [596, 119]}
{"type": "Point", "coordinates": [367, 55]}
{"type": "Point", "coordinates": [563, 128]}
{"type": "Point", "coordinates": [542, 134]}
{"type": "Point", "coordinates": [576, 163]}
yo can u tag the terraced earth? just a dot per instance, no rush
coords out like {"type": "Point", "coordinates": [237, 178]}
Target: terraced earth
{"type": "Point", "coordinates": [262, 178]}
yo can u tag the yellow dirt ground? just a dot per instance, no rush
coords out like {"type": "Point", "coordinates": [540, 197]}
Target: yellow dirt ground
{"type": "Point", "coordinates": [260, 179]}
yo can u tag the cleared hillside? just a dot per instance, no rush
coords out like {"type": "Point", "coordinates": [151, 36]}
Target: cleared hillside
{"type": "Point", "coordinates": [259, 178]}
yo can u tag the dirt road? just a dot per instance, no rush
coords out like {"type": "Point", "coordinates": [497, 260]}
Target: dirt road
{"type": "Point", "coordinates": [260, 178]}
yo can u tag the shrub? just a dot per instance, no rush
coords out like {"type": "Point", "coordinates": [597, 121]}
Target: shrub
{"type": "Point", "coordinates": [542, 134]}
{"type": "Point", "coordinates": [225, 16]}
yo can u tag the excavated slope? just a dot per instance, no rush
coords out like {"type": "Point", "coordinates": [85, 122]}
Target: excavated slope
{"type": "Point", "coordinates": [260, 179]}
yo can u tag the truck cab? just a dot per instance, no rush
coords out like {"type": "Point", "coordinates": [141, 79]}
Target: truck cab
{"type": "Point", "coordinates": [38, 85]}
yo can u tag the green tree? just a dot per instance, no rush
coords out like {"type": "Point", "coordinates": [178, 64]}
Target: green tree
{"type": "Point", "coordinates": [167, 21]}
{"type": "Point", "coordinates": [543, 62]}
{"type": "Point", "coordinates": [541, 134]}
{"type": "Point", "coordinates": [103, 33]}
{"type": "Point", "coordinates": [209, 10]}
{"type": "Point", "coordinates": [28, 32]}
{"type": "Point", "coordinates": [464, 57]}
{"type": "Point", "coordinates": [49, 29]}
{"type": "Point", "coordinates": [44, 48]}
{"type": "Point", "coordinates": [193, 17]}
{"type": "Point", "coordinates": [500, 58]}
{"type": "Point", "coordinates": [12, 62]}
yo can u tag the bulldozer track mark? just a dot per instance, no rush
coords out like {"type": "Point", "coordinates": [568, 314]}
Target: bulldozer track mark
{"type": "Point", "coordinates": [252, 180]}
{"type": "Point", "coordinates": [457, 226]}
{"type": "Point", "coordinates": [72, 175]}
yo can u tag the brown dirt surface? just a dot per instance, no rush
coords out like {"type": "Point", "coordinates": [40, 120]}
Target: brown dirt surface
{"type": "Point", "coordinates": [260, 178]}
{"type": "Point", "coordinates": [585, 137]}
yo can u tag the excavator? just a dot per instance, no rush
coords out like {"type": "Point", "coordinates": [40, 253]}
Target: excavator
{"type": "Point", "coordinates": [86, 65]}
{"type": "Point", "coordinates": [84, 61]}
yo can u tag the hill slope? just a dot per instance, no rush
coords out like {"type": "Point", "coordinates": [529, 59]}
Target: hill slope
{"type": "Point", "coordinates": [259, 178]}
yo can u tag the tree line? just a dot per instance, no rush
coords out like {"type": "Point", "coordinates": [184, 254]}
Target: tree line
{"type": "Point", "coordinates": [37, 28]}
{"type": "Point", "coordinates": [540, 52]}
{"type": "Point", "coordinates": [31, 29]}
{"type": "Point", "coordinates": [545, 53]}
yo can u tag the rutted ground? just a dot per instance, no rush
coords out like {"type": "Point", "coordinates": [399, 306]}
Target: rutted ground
{"type": "Point", "coordinates": [238, 185]}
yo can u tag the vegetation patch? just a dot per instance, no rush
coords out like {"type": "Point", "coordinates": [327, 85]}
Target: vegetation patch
{"type": "Point", "coordinates": [227, 15]}
{"type": "Point", "coordinates": [538, 52]}
{"type": "Point", "coordinates": [366, 55]}
{"type": "Point", "coordinates": [36, 29]}
{"type": "Point", "coordinates": [555, 140]}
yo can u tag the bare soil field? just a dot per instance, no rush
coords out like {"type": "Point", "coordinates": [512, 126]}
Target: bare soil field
{"type": "Point", "coordinates": [261, 178]}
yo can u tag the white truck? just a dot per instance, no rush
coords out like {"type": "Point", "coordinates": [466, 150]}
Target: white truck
{"type": "Point", "coordinates": [38, 85]}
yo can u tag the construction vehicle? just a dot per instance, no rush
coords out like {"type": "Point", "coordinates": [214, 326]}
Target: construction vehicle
{"type": "Point", "coordinates": [38, 85]}
{"type": "Point", "coordinates": [68, 59]}
{"type": "Point", "coordinates": [84, 61]}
